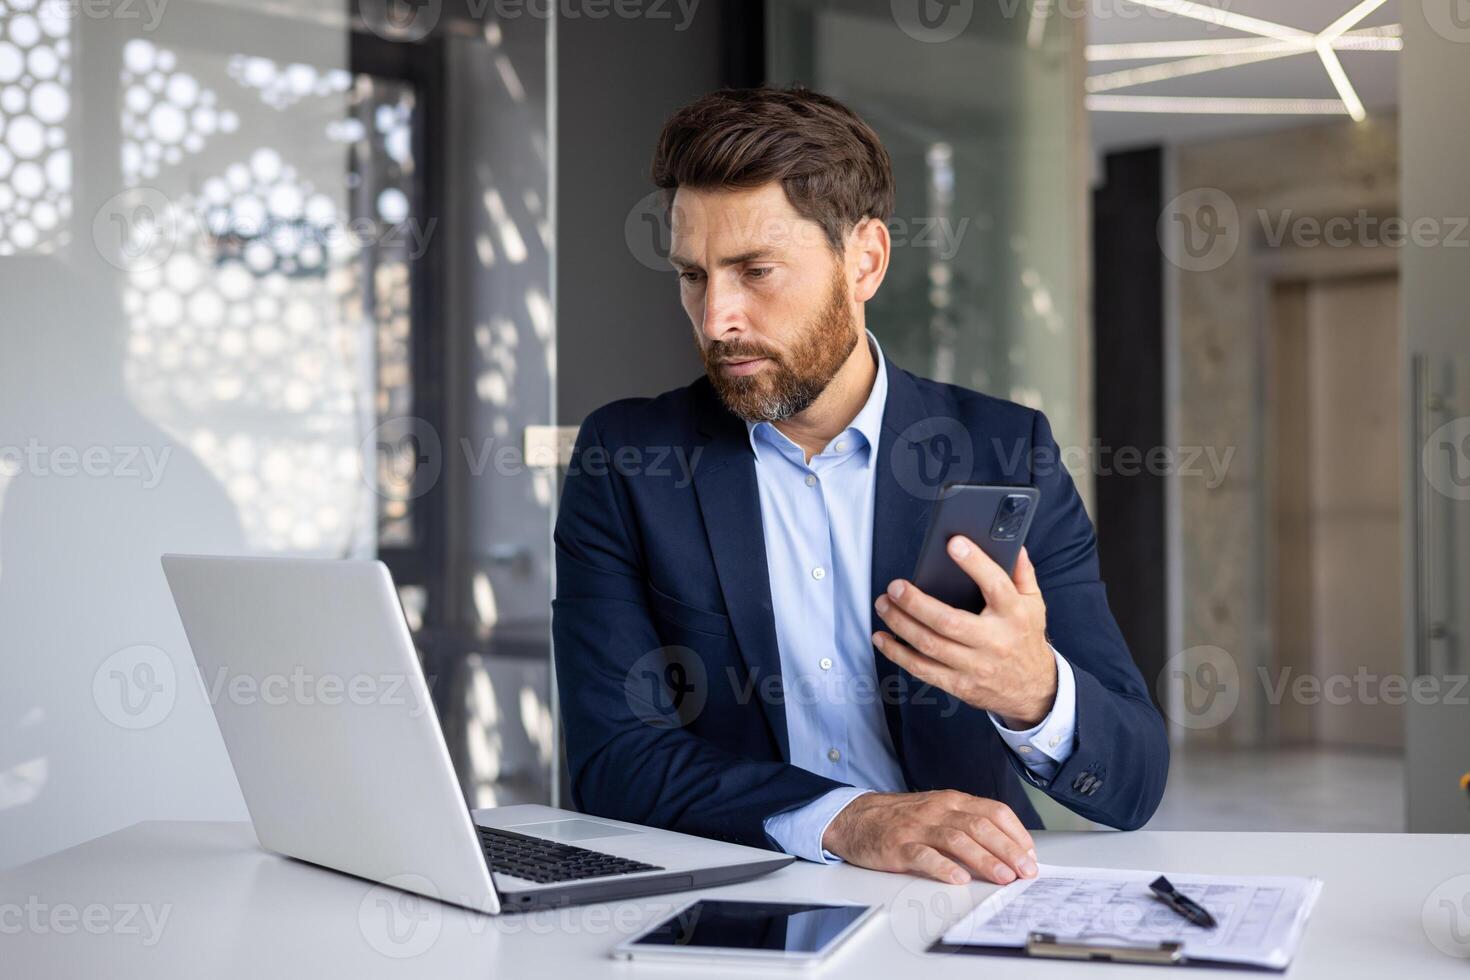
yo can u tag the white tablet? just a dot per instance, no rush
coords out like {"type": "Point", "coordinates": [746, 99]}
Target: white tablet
{"type": "Point", "coordinates": [793, 934]}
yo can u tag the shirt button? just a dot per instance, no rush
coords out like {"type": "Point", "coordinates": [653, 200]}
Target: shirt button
{"type": "Point", "coordinates": [825, 663]}
{"type": "Point", "coordinates": [1054, 741]}
{"type": "Point", "coordinates": [1024, 750]}
{"type": "Point", "coordinates": [819, 573]}
{"type": "Point", "coordinates": [811, 481]}
{"type": "Point", "coordinates": [834, 756]}
{"type": "Point", "coordinates": [841, 446]}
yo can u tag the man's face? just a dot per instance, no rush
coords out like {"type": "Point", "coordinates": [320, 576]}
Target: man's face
{"type": "Point", "coordinates": [768, 299]}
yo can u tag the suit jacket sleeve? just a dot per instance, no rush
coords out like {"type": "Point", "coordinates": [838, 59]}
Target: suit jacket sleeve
{"type": "Point", "coordinates": [1116, 774]}
{"type": "Point", "coordinates": [628, 756]}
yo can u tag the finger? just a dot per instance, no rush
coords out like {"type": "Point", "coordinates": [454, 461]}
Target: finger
{"type": "Point", "coordinates": [995, 584]}
{"type": "Point", "coordinates": [1003, 817]}
{"type": "Point", "coordinates": [931, 672]}
{"type": "Point", "coordinates": [999, 843]}
{"type": "Point", "coordinates": [931, 644]}
{"type": "Point", "coordinates": [960, 845]}
{"type": "Point", "coordinates": [924, 859]}
{"type": "Point", "coordinates": [1025, 577]}
{"type": "Point", "coordinates": [941, 617]}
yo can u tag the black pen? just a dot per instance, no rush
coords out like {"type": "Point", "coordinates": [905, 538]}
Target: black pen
{"type": "Point", "coordinates": [1181, 903]}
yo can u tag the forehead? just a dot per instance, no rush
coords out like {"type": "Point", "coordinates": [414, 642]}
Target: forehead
{"type": "Point", "coordinates": [740, 219]}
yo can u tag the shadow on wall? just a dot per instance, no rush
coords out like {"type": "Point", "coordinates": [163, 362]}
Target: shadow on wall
{"type": "Point", "coordinates": [101, 723]}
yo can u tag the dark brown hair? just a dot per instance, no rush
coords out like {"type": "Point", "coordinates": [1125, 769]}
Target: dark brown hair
{"type": "Point", "coordinates": [831, 164]}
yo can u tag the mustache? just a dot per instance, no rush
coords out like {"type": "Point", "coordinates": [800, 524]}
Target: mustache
{"type": "Point", "coordinates": [724, 351]}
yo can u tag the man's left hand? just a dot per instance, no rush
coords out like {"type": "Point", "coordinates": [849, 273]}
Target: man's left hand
{"type": "Point", "coordinates": [997, 660]}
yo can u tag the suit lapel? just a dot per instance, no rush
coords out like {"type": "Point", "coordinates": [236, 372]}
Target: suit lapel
{"type": "Point", "coordinates": [729, 500]}
{"type": "Point", "coordinates": [918, 453]}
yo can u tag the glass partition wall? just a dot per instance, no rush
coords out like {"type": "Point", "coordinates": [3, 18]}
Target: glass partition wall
{"type": "Point", "coordinates": [981, 112]}
{"type": "Point", "coordinates": [188, 362]}
{"type": "Point", "coordinates": [274, 280]}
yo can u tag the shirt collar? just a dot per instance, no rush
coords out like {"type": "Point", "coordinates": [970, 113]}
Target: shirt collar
{"type": "Point", "coordinates": [868, 421]}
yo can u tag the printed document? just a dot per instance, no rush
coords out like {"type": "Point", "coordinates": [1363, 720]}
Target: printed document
{"type": "Point", "coordinates": [1260, 920]}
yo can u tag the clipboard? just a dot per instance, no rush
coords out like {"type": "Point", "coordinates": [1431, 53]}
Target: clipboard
{"type": "Point", "coordinates": [1114, 916]}
{"type": "Point", "coordinates": [1045, 945]}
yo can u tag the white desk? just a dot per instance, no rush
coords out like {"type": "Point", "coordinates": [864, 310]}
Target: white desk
{"type": "Point", "coordinates": [234, 911]}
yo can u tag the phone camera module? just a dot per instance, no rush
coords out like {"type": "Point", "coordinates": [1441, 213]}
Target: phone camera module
{"type": "Point", "coordinates": [1010, 518]}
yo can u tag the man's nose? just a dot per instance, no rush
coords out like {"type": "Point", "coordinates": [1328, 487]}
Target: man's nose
{"type": "Point", "coordinates": [723, 315]}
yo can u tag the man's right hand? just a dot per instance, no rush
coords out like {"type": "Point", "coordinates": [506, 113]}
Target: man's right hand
{"type": "Point", "coordinates": [947, 835]}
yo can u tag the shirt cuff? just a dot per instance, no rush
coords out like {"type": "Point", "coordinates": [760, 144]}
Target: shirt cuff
{"type": "Point", "coordinates": [1045, 748]}
{"type": "Point", "coordinates": [800, 831]}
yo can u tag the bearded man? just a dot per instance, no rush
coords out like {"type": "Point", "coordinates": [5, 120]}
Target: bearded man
{"type": "Point", "coordinates": [740, 655]}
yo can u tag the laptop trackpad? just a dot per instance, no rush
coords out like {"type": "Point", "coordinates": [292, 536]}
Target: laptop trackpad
{"type": "Point", "coordinates": [572, 830]}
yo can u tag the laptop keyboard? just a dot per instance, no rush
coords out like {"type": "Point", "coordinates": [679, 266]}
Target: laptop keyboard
{"type": "Point", "coordinates": [545, 861]}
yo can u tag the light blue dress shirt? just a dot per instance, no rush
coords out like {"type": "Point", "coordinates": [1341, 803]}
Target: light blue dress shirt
{"type": "Point", "coordinates": [818, 523]}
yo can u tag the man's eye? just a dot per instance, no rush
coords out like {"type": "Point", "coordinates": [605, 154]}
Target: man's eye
{"type": "Point", "coordinates": [689, 276]}
{"type": "Point", "coordinates": [758, 273]}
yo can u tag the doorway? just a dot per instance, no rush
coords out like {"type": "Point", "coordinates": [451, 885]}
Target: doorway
{"type": "Point", "coordinates": [1335, 513]}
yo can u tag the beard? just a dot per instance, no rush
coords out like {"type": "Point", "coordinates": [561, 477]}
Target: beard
{"type": "Point", "coordinates": [793, 380]}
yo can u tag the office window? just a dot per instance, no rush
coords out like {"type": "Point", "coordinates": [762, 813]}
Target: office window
{"type": "Point", "coordinates": [35, 153]}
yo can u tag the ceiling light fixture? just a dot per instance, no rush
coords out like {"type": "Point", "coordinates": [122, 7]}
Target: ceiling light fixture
{"type": "Point", "coordinates": [1206, 56]}
{"type": "Point", "coordinates": [1349, 95]}
{"type": "Point", "coordinates": [1128, 77]}
{"type": "Point", "coordinates": [1349, 20]}
{"type": "Point", "coordinates": [1330, 61]}
{"type": "Point", "coordinates": [1389, 37]}
{"type": "Point", "coordinates": [1202, 105]}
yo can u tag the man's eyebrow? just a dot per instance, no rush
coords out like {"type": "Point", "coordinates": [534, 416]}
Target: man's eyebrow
{"type": "Point", "coordinates": [753, 255]}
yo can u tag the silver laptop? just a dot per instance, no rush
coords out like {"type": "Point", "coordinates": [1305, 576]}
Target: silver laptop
{"type": "Point", "coordinates": [329, 725]}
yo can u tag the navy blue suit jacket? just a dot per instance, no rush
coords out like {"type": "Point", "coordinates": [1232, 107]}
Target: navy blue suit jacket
{"type": "Point", "coordinates": [665, 645]}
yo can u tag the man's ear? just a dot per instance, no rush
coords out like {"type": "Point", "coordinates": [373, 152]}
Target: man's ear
{"type": "Point", "coordinates": [868, 248]}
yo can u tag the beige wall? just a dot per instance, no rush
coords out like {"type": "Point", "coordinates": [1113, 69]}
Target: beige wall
{"type": "Point", "coordinates": [1319, 171]}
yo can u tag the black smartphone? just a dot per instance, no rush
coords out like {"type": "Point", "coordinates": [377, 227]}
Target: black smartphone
{"type": "Point", "coordinates": [995, 518]}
